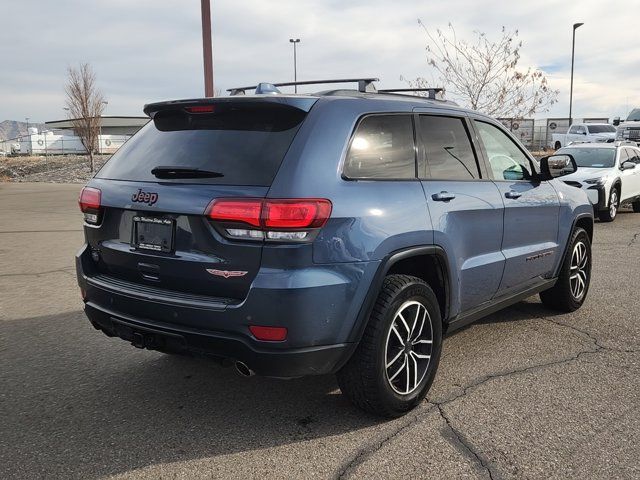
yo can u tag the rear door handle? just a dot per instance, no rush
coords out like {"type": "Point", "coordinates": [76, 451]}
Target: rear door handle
{"type": "Point", "coordinates": [513, 194]}
{"type": "Point", "coordinates": [443, 196]}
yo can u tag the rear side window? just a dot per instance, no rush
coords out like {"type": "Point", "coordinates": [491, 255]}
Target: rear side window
{"type": "Point", "coordinates": [448, 148]}
{"type": "Point", "coordinates": [245, 144]}
{"type": "Point", "coordinates": [382, 148]}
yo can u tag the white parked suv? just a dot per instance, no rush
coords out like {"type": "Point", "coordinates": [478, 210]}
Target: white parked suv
{"type": "Point", "coordinates": [609, 173]}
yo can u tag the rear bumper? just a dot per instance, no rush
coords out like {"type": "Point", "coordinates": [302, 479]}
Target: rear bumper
{"type": "Point", "coordinates": [287, 363]}
{"type": "Point", "coordinates": [319, 306]}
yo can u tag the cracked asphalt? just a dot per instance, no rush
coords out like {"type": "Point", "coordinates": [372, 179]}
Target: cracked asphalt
{"type": "Point", "coordinates": [524, 393]}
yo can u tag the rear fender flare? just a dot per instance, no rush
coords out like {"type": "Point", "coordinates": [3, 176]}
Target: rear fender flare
{"type": "Point", "coordinates": [374, 289]}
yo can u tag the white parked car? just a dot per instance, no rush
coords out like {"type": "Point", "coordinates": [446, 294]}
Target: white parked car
{"type": "Point", "coordinates": [585, 132]}
{"type": "Point", "coordinates": [609, 173]}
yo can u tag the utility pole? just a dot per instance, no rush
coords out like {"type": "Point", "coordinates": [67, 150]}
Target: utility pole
{"type": "Point", "coordinates": [573, 51]}
{"type": "Point", "coordinates": [295, 63]}
{"type": "Point", "coordinates": [207, 49]}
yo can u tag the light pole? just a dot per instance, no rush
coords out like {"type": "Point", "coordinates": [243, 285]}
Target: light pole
{"type": "Point", "coordinates": [573, 51]}
{"type": "Point", "coordinates": [28, 134]}
{"type": "Point", "coordinates": [207, 49]}
{"type": "Point", "coordinates": [104, 102]}
{"type": "Point", "coordinates": [295, 62]}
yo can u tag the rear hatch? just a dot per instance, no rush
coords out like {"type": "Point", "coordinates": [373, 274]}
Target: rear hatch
{"type": "Point", "coordinates": [150, 227]}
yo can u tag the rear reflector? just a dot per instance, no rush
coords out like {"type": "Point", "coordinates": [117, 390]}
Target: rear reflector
{"type": "Point", "coordinates": [268, 334]}
{"type": "Point", "coordinates": [270, 214]}
{"type": "Point", "coordinates": [89, 199]}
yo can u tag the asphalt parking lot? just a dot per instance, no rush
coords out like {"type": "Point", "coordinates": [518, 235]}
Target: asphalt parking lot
{"type": "Point", "coordinates": [524, 393]}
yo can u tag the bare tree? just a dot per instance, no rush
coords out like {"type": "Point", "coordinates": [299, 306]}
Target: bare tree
{"type": "Point", "coordinates": [85, 104]}
{"type": "Point", "coordinates": [483, 74]}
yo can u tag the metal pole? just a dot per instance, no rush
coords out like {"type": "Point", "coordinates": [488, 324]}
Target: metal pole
{"type": "Point", "coordinates": [207, 49]}
{"type": "Point", "coordinates": [295, 63]}
{"type": "Point", "coordinates": [573, 51]}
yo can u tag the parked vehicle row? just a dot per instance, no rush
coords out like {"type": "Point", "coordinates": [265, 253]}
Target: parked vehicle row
{"type": "Point", "coordinates": [340, 232]}
{"type": "Point", "coordinates": [609, 173]}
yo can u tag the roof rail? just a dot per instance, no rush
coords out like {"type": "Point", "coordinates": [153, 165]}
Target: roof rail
{"type": "Point", "coordinates": [365, 85]}
{"type": "Point", "coordinates": [433, 92]}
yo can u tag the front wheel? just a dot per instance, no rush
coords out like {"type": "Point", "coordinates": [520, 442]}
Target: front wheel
{"type": "Point", "coordinates": [396, 360]}
{"type": "Point", "coordinates": [570, 291]}
{"type": "Point", "coordinates": [636, 206]}
{"type": "Point", "coordinates": [610, 214]}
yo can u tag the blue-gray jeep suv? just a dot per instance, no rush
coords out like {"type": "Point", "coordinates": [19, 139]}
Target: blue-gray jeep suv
{"type": "Point", "coordinates": [339, 232]}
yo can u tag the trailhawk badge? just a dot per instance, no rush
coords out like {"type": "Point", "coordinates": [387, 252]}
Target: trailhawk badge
{"type": "Point", "coordinates": [226, 273]}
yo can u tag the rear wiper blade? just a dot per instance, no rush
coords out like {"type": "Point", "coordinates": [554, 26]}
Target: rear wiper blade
{"type": "Point", "coordinates": [182, 172]}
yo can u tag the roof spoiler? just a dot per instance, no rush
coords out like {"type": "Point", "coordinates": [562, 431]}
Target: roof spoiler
{"type": "Point", "coordinates": [299, 103]}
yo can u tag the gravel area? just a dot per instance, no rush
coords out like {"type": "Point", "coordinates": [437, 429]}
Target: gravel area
{"type": "Point", "coordinates": [52, 169]}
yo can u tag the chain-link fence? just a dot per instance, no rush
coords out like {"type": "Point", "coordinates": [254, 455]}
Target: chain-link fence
{"type": "Point", "coordinates": [49, 143]}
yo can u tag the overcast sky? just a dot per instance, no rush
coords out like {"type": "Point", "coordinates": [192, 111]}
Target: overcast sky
{"type": "Point", "coordinates": [148, 50]}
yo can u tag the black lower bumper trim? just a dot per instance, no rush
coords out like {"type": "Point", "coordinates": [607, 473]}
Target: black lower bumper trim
{"type": "Point", "coordinates": [285, 363]}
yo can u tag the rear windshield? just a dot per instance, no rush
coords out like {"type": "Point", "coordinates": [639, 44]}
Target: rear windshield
{"type": "Point", "coordinates": [242, 144]}
{"type": "Point", "coordinates": [602, 129]}
{"type": "Point", "coordinates": [591, 157]}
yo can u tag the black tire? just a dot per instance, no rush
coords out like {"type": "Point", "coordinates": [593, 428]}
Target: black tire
{"type": "Point", "coordinates": [365, 379]}
{"type": "Point", "coordinates": [562, 295]}
{"type": "Point", "coordinates": [557, 146]}
{"type": "Point", "coordinates": [610, 214]}
{"type": "Point", "coordinates": [636, 206]}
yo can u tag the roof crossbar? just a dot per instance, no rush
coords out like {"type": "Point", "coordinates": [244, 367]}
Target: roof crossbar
{"type": "Point", "coordinates": [365, 85]}
{"type": "Point", "coordinates": [432, 91]}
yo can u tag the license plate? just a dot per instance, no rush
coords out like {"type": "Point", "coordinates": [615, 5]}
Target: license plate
{"type": "Point", "coordinates": [151, 233]}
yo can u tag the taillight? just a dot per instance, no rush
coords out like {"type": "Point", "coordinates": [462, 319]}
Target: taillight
{"type": "Point", "coordinates": [89, 202]}
{"type": "Point", "coordinates": [242, 211]}
{"type": "Point", "coordinates": [270, 219]}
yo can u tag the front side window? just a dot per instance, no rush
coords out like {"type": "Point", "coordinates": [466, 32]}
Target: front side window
{"type": "Point", "coordinates": [448, 148]}
{"type": "Point", "coordinates": [573, 129]}
{"type": "Point", "coordinates": [631, 156]}
{"type": "Point", "coordinates": [382, 148]}
{"type": "Point", "coordinates": [622, 156]}
{"type": "Point", "coordinates": [581, 130]}
{"type": "Point", "coordinates": [506, 160]}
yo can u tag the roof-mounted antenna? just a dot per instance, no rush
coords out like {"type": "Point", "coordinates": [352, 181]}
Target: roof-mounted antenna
{"type": "Point", "coordinates": [267, 88]}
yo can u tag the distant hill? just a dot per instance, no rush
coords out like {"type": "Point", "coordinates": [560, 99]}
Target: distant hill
{"type": "Point", "coordinates": [12, 129]}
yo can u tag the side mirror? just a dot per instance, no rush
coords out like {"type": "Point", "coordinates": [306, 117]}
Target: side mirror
{"type": "Point", "coordinates": [628, 165]}
{"type": "Point", "coordinates": [616, 121]}
{"type": "Point", "coordinates": [584, 133]}
{"type": "Point", "coordinates": [555, 166]}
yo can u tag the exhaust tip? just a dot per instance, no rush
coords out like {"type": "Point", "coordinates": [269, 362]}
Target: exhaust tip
{"type": "Point", "coordinates": [243, 370]}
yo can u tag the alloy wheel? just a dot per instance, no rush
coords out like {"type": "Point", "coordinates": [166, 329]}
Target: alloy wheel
{"type": "Point", "coordinates": [613, 204]}
{"type": "Point", "coordinates": [579, 270]}
{"type": "Point", "coordinates": [408, 347]}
